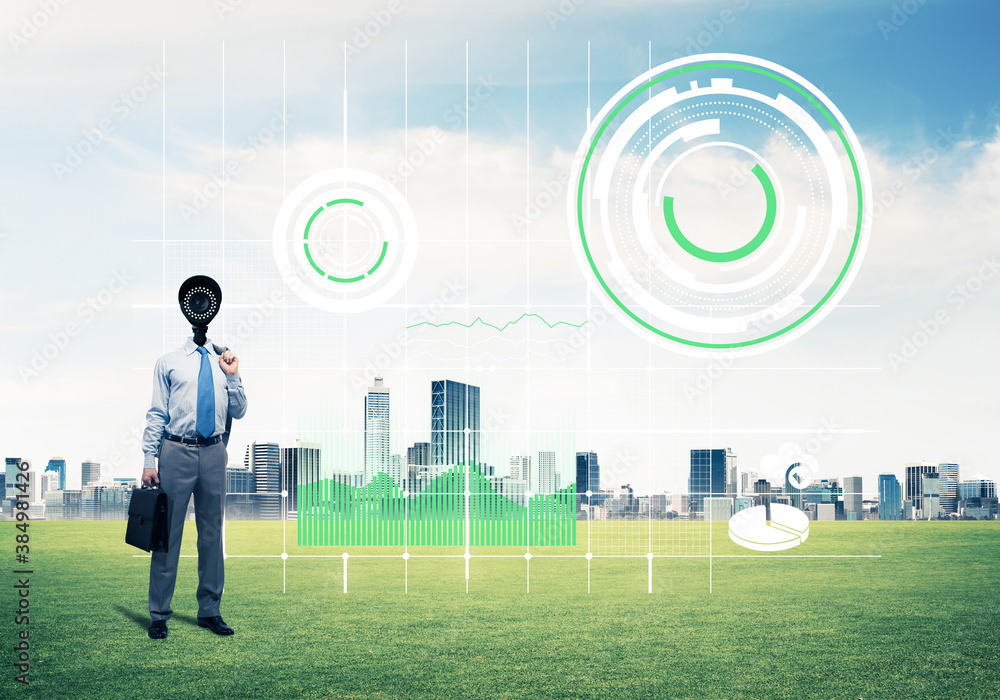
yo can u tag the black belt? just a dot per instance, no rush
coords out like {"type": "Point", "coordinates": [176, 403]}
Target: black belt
{"type": "Point", "coordinates": [192, 441]}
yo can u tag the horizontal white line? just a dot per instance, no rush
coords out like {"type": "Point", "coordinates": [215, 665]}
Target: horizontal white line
{"type": "Point", "coordinates": [535, 555]}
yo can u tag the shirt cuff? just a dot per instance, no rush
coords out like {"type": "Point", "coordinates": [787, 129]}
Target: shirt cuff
{"type": "Point", "coordinates": [149, 461]}
{"type": "Point", "coordinates": [233, 380]}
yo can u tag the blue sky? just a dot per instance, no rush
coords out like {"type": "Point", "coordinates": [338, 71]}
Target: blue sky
{"type": "Point", "coordinates": [66, 238]}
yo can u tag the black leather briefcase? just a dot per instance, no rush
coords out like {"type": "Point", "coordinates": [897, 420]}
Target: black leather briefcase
{"type": "Point", "coordinates": [148, 526]}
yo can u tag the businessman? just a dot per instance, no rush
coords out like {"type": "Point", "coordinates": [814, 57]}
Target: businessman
{"type": "Point", "coordinates": [195, 389]}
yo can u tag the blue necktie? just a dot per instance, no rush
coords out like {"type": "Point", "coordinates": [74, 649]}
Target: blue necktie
{"type": "Point", "coordinates": [206, 397]}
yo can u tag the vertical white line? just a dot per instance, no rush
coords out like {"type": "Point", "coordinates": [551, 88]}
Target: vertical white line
{"type": "Point", "coordinates": [468, 360]}
{"type": "Point", "coordinates": [527, 226]}
{"type": "Point", "coordinates": [222, 311]}
{"type": "Point", "coordinates": [284, 193]}
{"type": "Point", "coordinates": [406, 311]}
{"type": "Point", "coordinates": [345, 574]}
{"type": "Point", "coordinates": [589, 368]}
{"type": "Point", "coordinates": [650, 575]}
{"type": "Point", "coordinates": [345, 104]}
{"type": "Point", "coordinates": [164, 192]}
{"type": "Point", "coordinates": [649, 360]}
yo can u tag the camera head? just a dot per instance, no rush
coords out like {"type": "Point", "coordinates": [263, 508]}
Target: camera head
{"type": "Point", "coordinates": [200, 298]}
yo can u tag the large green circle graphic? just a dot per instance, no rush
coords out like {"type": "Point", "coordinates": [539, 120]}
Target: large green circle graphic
{"type": "Point", "coordinates": [663, 84]}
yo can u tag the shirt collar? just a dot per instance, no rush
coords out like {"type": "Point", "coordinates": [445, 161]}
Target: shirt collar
{"type": "Point", "coordinates": [190, 348]}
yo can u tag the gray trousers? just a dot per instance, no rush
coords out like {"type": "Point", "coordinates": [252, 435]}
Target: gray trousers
{"type": "Point", "coordinates": [183, 470]}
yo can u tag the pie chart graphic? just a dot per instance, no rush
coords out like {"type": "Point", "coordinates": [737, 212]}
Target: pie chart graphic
{"type": "Point", "coordinates": [787, 528]}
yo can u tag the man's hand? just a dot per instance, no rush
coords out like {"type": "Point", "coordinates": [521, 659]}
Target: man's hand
{"type": "Point", "coordinates": [150, 477]}
{"type": "Point", "coordinates": [229, 363]}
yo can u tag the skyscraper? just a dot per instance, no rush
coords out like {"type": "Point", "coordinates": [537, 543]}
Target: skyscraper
{"type": "Point", "coordinates": [588, 475]}
{"type": "Point", "coordinates": [417, 456]}
{"type": "Point", "coordinates": [376, 430]}
{"type": "Point", "coordinates": [299, 465]}
{"type": "Point", "coordinates": [890, 497]}
{"type": "Point", "coordinates": [264, 460]}
{"type": "Point", "coordinates": [853, 498]}
{"type": "Point", "coordinates": [454, 409]}
{"type": "Point", "coordinates": [10, 476]}
{"type": "Point", "coordinates": [977, 487]}
{"type": "Point", "coordinates": [91, 472]}
{"type": "Point", "coordinates": [712, 474]}
{"type": "Point", "coordinates": [58, 465]}
{"type": "Point", "coordinates": [913, 487]}
{"type": "Point", "coordinates": [747, 480]}
{"type": "Point", "coordinates": [520, 469]}
{"type": "Point", "coordinates": [930, 502]}
{"type": "Point", "coordinates": [948, 477]}
{"type": "Point", "coordinates": [546, 473]}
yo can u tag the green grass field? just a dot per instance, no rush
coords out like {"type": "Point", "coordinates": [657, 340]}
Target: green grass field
{"type": "Point", "coordinates": [921, 622]}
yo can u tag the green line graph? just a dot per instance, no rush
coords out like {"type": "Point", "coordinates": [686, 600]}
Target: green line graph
{"type": "Point", "coordinates": [480, 321]}
{"type": "Point", "coordinates": [334, 513]}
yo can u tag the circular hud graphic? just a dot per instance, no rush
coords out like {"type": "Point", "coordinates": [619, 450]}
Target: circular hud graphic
{"type": "Point", "coordinates": [345, 240]}
{"type": "Point", "coordinates": [720, 202]}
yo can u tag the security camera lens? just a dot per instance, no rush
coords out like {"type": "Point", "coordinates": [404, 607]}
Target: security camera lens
{"type": "Point", "coordinates": [200, 302]}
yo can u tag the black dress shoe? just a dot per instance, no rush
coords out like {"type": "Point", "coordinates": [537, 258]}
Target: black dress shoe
{"type": "Point", "coordinates": [216, 624]}
{"type": "Point", "coordinates": [157, 629]}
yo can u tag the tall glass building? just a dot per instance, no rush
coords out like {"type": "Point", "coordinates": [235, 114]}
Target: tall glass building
{"type": "Point", "coordinates": [890, 497]}
{"type": "Point", "coordinates": [264, 460]}
{"type": "Point", "coordinates": [915, 472]}
{"type": "Point", "coordinates": [948, 477]}
{"type": "Point", "coordinates": [58, 465]}
{"type": "Point", "coordinates": [710, 476]}
{"type": "Point", "coordinates": [376, 430]}
{"type": "Point", "coordinates": [299, 465]}
{"type": "Point", "coordinates": [588, 476]}
{"type": "Point", "coordinates": [454, 408]}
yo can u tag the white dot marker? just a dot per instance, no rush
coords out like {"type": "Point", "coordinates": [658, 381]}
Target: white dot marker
{"type": "Point", "coordinates": [406, 555]}
{"type": "Point", "coordinates": [529, 494]}
{"type": "Point", "coordinates": [345, 555]}
{"type": "Point", "coordinates": [284, 555]}
{"type": "Point", "coordinates": [406, 494]}
{"type": "Point", "coordinates": [589, 556]}
{"type": "Point", "coordinates": [589, 493]}
{"type": "Point", "coordinates": [284, 494]}
{"type": "Point", "coordinates": [467, 556]}
{"type": "Point", "coordinates": [649, 555]}
{"type": "Point", "coordinates": [467, 431]}
{"type": "Point", "coordinates": [527, 555]}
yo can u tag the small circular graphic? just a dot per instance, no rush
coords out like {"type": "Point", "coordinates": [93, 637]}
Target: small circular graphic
{"type": "Point", "coordinates": [345, 240]}
{"type": "Point", "coordinates": [720, 202]}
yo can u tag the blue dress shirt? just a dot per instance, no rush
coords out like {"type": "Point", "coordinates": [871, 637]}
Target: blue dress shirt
{"type": "Point", "coordinates": [175, 398]}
